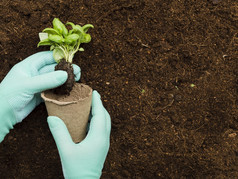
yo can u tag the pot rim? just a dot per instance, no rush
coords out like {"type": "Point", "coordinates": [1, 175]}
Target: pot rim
{"type": "Point", "coordinates": [56, 101]}
{"type": "Point", "coordinates": [46, 99]}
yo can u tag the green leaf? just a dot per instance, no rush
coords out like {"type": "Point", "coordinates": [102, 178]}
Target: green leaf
{"type": "Point", "coordinates": [65, 31]}
{"type": "Point", "coordinates": [58, 54]}
{"type": "Point", "coordinates": [51, 31]}
{"type": "Point", "coordinates": [52, 47]}
{"type": "Point", "coordinates": [86, 38]}
{"type": "Point", "coordinates": [81, 49]}
{"type": "Point", "coordinates": [44, 42]}
{"type": "Point", "coordinates": [73, 27]}
{"type": "Point", "coordinates": [56, 38]}
{"type": "Point", "coordinates": [43, 36]}
{"type": "Point", "coordinates": [59, 28]}
{"type": "Point", "coordinates": [71, 48]}
{"type": "Point", "coordinates": [58, 25]}
{"type": "Point", "coordinates": [63, 42]}
{"type": "Point", "coordinates": [76, 29]}
{"type": "Point", "coordinates": [71, 38]}
{"type": "Point", "coordinates": [71, 23]}
{"type": "Point", "coordinates": [87, 26]}
{"type": "Point", "coordinates": [71, 31]}
{"type": "Point", "coordinates": [79, 29]}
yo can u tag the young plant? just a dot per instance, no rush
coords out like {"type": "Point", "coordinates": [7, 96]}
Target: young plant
{"type": "Point", "coordinates": [65, 43]}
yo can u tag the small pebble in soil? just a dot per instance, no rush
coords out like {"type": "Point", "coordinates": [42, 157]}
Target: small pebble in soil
{"type": "Point", "coordinates": [226, 57]}
{"type": "Point", "coordinates": [232, 135]}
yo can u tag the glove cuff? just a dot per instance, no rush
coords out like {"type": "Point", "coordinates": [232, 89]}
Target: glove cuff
{"type": "Point", "coordinates": [7, 118]}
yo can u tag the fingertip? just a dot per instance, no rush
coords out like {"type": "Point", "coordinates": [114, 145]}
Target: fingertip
{"type": "Point", "coordinates": [53, 121]}
{"type": "Point", "coordinates": [60, 132]}
{"type": "Point", "coordinates": [76, 68]}
{"type": "Point", "coordinates": [96, 103]}
{"type": "Point", "coordinates": [96, 94]}
{"type": "Point", "coordinates": [77, 72]}
{"type": "Point", "coordinates": [61, 76]}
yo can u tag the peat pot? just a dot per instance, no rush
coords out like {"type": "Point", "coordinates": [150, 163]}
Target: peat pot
{"type": "Point", "coordinates": [74, 109]}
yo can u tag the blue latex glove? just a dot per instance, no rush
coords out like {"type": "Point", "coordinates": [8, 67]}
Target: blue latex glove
{"type": "Point", "coordinates": [86, 159]}
{"type": "Point", "coordinates": [20, 89]}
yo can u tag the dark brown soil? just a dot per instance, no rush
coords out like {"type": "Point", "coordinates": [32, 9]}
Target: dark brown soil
{"type": "Point", "coordinates": [166, 71]}
{"type": "Point", "coordinates": [67, 87]}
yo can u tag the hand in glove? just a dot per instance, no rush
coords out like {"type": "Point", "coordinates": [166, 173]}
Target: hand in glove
{"type": "Point", "coordinates": [85, 159]}
{"type": "Point", "coordinates": [20, 89]}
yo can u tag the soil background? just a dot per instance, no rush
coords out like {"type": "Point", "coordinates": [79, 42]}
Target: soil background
{"type": "Point", "coordinates": [167, 74]}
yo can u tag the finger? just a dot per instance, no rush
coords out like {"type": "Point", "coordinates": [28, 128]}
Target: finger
{"type": "Point", "coordinates": [97, 106]}
{"type": "Point", "coordinates": [50, 68]}
{"type": "Point", "coordinates": [38, 99]}
{"type": "Point", "coordinates": [98, 122]}
{"type": "Point", "coordinates": [47, 68]}
{"type": "Point", "coordinates": [46, 81]}
{"type": "Point", "coordinates": [40, 59]}
{"type": "Point", "coordinates": [28, 108]}
{"type": "Point", "coordinates": [77, 72]}
{"type": "Point", "coordinates": [108, 121]}
{"type": "Point", "coordinates": [60, 132]}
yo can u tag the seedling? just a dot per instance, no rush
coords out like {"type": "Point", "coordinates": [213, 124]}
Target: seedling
{"type": "Point", "coordinates": [192, 85]}
{"type": "Point", "coordinates": [142, 91]}
{"type": "Point", "coordinates": [65, 43]}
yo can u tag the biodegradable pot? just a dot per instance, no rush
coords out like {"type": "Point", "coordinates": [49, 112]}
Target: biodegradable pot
{"type": "Point", "coordinates": [73, 109]}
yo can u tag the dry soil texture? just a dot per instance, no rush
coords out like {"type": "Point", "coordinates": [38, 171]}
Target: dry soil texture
{"type": "Point", "coordinates": [167, 74]}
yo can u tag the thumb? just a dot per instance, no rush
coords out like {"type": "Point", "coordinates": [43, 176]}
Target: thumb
{"type": "Point", "coordinates": [46, 81]}
{"type": "Point", "coordinates": [59, 132]}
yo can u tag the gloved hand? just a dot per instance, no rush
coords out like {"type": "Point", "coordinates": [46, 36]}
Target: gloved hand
{"type": "Point", "coordinates": [20, 89]}
{"type": "Point", "coordinates": [86, 159]}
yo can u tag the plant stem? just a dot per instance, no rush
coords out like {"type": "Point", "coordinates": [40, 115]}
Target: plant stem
{"type": "Point", "coordinates": [68, 54]}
